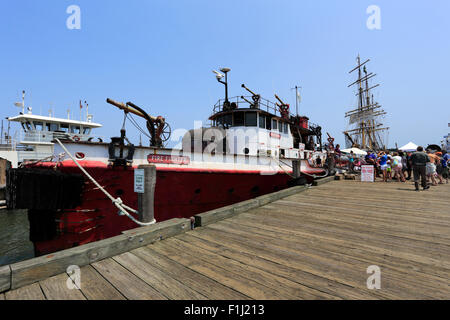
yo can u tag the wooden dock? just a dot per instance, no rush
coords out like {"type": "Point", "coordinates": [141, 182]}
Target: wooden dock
{"type": "Point", "coordinates": [315, 244]}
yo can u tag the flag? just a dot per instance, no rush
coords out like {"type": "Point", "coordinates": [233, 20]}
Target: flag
{"type": "Point", "coordinates": [81, 106]}
{"type": "Point", "coordinates": [18, 104]}
{"type": "Point", "coordinates": [299, 98]}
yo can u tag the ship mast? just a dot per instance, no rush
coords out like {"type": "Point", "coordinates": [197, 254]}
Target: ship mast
{"type": "Point", "coordinates": [367, 127]}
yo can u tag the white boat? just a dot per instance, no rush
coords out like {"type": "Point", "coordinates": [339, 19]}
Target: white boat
{"type": "Point", "coordinates": [33, 140]}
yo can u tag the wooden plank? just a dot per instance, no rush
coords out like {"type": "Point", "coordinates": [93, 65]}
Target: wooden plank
{"type": "Point", "coordinates": [339, 264]}
{"type": "Point", "coordinates": [403, 240]}
{"type": "Point", "coordinates": [126, 282]}
{"type": "Point", "coordinates": [430, 285]}
{"type": "Point", "coordinates": [95, 287]}
{"type": "Point", "coordinates": [286, 288]}
{"type": "Point", "coordinates": [159, 280]}
{"type": "Point", "coordinates": [322, 181]}
{"type": "Point", "coordinates": [323, 287]}
{"type": "Point", "coordinates": [55, 288]}
{"type": "Point", "coordinates": [230, 278]}
{"type": "Point", "coordinates": [404, 260]}
{"type": "Point", "coordinates": [363, 231]}
{"type": "Point", "coordinates": [39, 268]}
{"type": "Point", "coordinates": [207, 287]}
{"type": "Point", "coordinates": [30, 292]}
{"type": "Point", "coordinates": [2, 296]}
{"type": "Point", "coordinates": [331, 269]}
{"type": "Point", "coordinates": [212, 216]}
{"type": "Point", "coordinates": [5, 278]}
{"type": "Point", "coordinates": [320, 278]}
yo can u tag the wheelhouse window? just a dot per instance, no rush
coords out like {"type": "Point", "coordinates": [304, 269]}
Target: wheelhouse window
{"type": "Point", "coordinates": [64, 128]}
{"type": "Point", "coordinates": [75, 129]}
{"type": "Point", "coordinates": [86, 130]}
{"type": "Point", "coordinates": [238, 119]}
{"type": "Point", "coordinates": [225, 120]}
{"type": "Point", "coordinates": [39, 125]}
{"type": "Point", "coordinates": [268, 123]}
{"type": "Point", "coordinates": [26, 126]}
{"type": "Point", "coordinates": [250, 119]}
{"type": "Point", "coordinates": [51, 126]}
{"type": "Point", "coordinates": [285, 127]}
{"type": "Point", "coordinates": [262, 121]}
{"type": "Point", "coordinates": [274, 124]}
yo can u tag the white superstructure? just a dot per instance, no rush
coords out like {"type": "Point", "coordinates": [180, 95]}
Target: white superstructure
{"type": "Point", "coordinates": [33, 140]}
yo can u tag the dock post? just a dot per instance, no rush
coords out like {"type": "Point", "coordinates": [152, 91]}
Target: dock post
{"type": "Point", "coordinates": [146, 200]}
{"type": "Point", "coordinates": [296, 168]}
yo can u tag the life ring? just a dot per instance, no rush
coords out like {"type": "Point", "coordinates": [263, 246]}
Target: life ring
{"type": "Point", "coordinates": [76, 138]}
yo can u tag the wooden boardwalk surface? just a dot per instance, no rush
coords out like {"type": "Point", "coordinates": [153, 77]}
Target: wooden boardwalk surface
{"type": "Point", "coordinates": [313, 245]}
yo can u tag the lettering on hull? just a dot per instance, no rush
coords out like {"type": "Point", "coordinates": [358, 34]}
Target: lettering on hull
{"type": "Point", "coordinates": [155, 158]}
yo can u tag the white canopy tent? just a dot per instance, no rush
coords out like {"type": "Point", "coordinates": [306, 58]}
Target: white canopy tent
{"type": "Point", "coordinates": [356, 151]}
{"type": "Point", "coordinates": [409, 147]}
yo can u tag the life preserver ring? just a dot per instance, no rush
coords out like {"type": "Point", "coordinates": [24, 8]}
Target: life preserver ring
{"type": "Point", "coordinates": [76, 138]}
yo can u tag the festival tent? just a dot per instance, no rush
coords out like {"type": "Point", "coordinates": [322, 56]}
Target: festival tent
{"type": "Point", "coordinates": [356, 151]}
{"type": "Point", "coordinates": [409, 147]}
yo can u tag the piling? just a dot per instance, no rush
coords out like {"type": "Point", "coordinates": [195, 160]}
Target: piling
{"type": "Point", "coordinates": [146, 200]}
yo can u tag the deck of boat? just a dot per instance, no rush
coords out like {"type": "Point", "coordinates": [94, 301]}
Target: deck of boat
{"type": "Point", "coordinates": [316, 244]}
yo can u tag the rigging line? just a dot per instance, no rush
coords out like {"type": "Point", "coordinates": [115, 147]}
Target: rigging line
{"type": "Point", "coordinates": [134, 123]}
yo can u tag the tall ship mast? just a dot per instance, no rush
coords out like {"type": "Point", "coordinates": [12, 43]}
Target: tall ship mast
{"type": "Point", "coordinates": [366, 129]}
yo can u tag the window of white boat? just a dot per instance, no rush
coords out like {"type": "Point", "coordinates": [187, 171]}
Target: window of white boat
{"type": "Point", "coordinates": [86, 130]}
{"type": "Point", "coordinates": [250, 119]}
{"type": "Point", "coordinates": [64, 128]}
{"type": "Point", "coordinates": [28, 126]}
{"type": "Point", "coordinates": [285, 127]}
{"type": "Point", "coordinates": [262, 121]}
{"type": "Point", "coordinates": [38, 125]}
{"type": "Point", "coordinates": [75, 129]}
{"type": "Point", "coordinates": [274, 124]}
{"type": "Point", "coordinates": [51, 126]}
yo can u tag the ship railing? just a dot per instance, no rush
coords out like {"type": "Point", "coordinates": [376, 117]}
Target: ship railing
{"type": "Point", "coordinates": [49, 136]}
{"type": "Point", "coordinates": [8, 144]}
{"type": "Point", "coordinates": [264, 104]}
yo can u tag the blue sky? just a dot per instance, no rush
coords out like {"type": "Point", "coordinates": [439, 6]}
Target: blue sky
{"type": "Point", "coordinates": [160, 53]}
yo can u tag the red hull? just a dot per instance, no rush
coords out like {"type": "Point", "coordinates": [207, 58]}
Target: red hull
{"type": "Point", "coordinates": [178, 194]}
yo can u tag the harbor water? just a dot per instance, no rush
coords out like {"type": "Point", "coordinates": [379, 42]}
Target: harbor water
{"type": "Point", "coordinates": [15, 245]}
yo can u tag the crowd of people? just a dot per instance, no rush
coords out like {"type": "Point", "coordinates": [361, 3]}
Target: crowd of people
{"type": "Point", "coordinates": [431, 167]}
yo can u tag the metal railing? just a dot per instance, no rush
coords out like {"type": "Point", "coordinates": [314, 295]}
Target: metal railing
{"type": "Point", "coordinates": [264, 105]}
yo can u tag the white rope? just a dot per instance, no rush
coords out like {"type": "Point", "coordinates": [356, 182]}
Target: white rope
{"type": "Point", "coordinates": [117, 202]}
{"type": "Point", "coordinates": [292, 176]}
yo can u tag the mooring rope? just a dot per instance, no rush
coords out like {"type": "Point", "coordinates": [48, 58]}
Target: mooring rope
{"type": "Point", "coordinates": [116, 201]}
{"type": "Point", "coordinates": [292, 176]}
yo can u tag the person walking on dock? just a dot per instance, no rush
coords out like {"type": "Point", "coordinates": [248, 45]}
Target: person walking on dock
{"type": "Point", "coordinates": [397, 165]}
{"type": "Point", "coordinates": [419, 160]}
{"type": "Point", "coordinates": [408, 164]}
{"type": "Point", "coordinates": [383, 159]}
{"type": "Point", "coordinates": [431, 167]}
{"type": "Point", "coordinates": [444, 162]}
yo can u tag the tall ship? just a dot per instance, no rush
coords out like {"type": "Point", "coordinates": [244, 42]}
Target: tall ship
{"type": "Point", "coordinates": [252, 147]}
{"type": "Point", "coordinates": [366, 130]}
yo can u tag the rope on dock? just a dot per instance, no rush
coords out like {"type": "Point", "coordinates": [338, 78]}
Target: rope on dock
{"type": "Point", "coordinates": [116, 201]}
